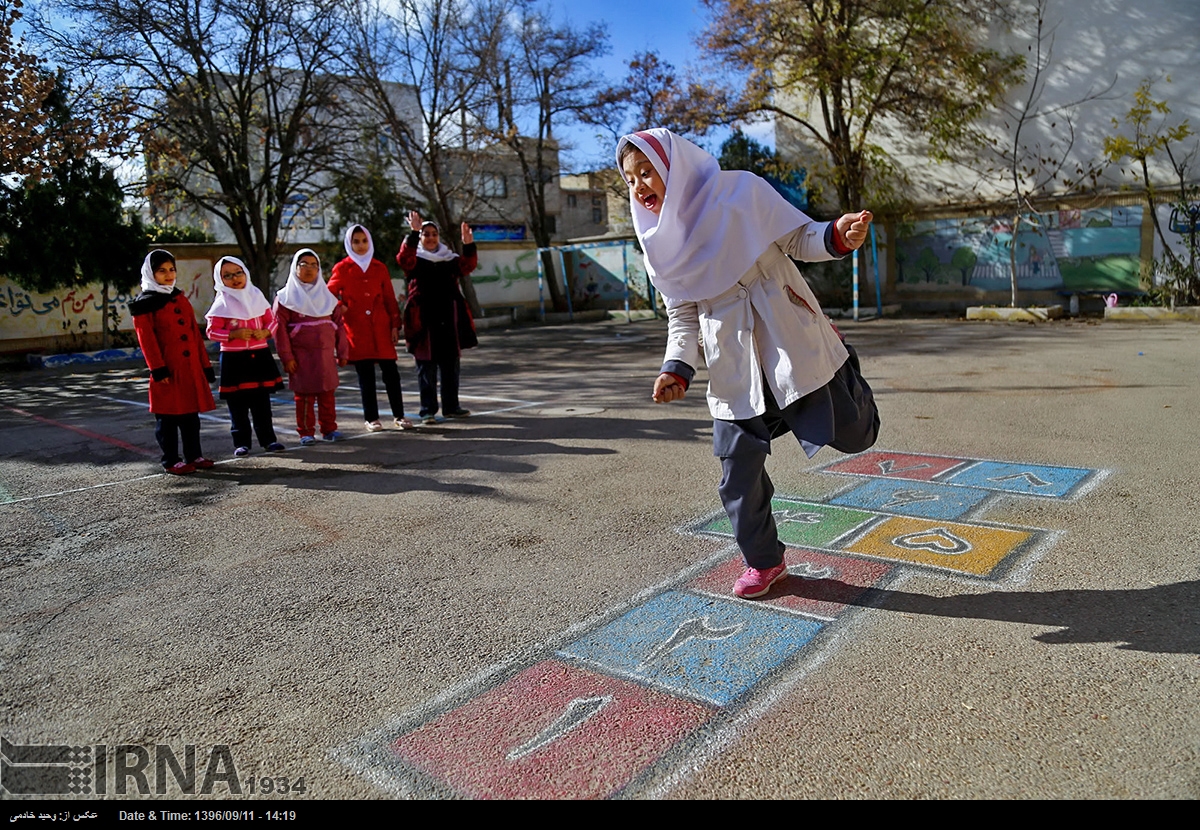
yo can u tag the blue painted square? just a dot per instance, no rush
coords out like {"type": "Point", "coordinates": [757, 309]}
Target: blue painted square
{"type": "Point", "coordinates": [913, 498]}
{"type": "Point", "coordinates": [701, 647]}
{"type": "Point", "coordinates": [1030, 479]}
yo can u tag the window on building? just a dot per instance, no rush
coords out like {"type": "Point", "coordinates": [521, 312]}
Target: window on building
{"type": "Point", "coordinates": [300, 212]}
{"type": "Point", "coordinates": [491, 186]}
{"type": "Point", "coordinates": [571, 200]}
{"type": "Point", "coordinates": [597, 216]}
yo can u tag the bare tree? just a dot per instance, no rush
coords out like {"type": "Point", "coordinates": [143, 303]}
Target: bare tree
{"type": "Point", "coordinates": [419, 66]}
{"type": "Point", "coordinates": [240, 104]}
{"type": "Point", "coordinates": [539, 75]}
{"type": "Point", "coordinates": [651, 95]}
{"type": "Point", "coordinates": [1035, 156]}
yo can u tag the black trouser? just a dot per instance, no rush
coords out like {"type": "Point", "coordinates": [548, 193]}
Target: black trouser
{"type": "Point", "coordinates": [427, 379]}
{"type": "Point", "coordinates": [842, 415]}
{"type": "Point", "coordinates": [391, 382]}
{"type": "Point", "coordinates": [168, 429]}
{"type": "Point", "coordinates": [245, 405]}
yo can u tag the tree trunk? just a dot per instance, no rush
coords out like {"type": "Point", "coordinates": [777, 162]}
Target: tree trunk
{"type": "Point", "coordinates": [1012, 259]}
{"type": "Point", "coordinates": [104, 315]}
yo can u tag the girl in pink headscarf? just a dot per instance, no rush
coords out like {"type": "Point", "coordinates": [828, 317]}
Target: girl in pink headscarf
{"type": "Point", "coordinates": [717, 247]}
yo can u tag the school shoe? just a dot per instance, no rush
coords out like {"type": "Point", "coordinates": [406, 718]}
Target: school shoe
{"type": "Point", "coordinates": [332, 436]}
{"type": "Point", "coordinates": [373, 426]}
{"type": "Point", "coordinates": [241, 452]}
{"type": "Point", "coordinates": [754, 583]}
{"type": "Point", "coordinates": [402, 423]}
{"type": "Point", "coordinates": [180, 468]}
{"type": "Point", "coordinates": [429, 419]}
{"type": "Point", "coordinates": [202, 463]}
{"type": "Point", "coordinates": [459, 413]}
{"type": "Point", "coordinates": [307, 440]}
{"type": "Point", "coordinates": [275, 446]}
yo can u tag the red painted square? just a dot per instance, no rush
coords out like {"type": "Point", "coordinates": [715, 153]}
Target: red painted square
{"type": "Point", "coordinates": [835, 581]}
{"type": "Point", "coordinates": [884, 464]}
{"type": "Point", "coordinates": [484, 748]}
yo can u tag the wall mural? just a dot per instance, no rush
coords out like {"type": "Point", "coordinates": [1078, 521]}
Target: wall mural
{"type": "Point", "coordinates": [75, 311]}
{"type": "Point", "coordinates": [1070, 250]}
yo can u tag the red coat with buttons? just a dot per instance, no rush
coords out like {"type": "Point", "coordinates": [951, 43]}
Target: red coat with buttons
{"type": "Point", "coordinates": [171, 340]}
{"type": "Point", "coordinates": [369, 308]}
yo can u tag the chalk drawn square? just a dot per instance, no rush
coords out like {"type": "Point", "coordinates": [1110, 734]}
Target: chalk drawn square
{"type": "Point", "coordinates": [970, 549]}
{"type": "Point", "coordinates": [803, 524]}
{"type": "Point", "coordinates": [552, 731]}
{"type": "Point", "coordinates": [888, 464]}
{"type": "Point", "coordinates": [913, 498]}
{"type": "Point", "coordinates": [699, 646]}
{"type": "Point", "coordinates": [1028, 479]}
{"type": "Point", "coordinates": [820, 584]}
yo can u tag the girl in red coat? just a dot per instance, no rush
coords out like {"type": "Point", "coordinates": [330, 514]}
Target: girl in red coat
{"type": "Point", "coordinates": [312, 344]}
{"type": "Point", "coordinates": [438, 324]}
{"type": "Point", "coordinates": [240, 320]}
{"type": "Point", "coordinates": [180, 371]}
{"type": "Point", "coordinates": [372, 319]}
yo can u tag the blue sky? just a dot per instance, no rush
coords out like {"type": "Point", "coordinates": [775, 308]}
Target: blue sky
{"type": "Point", "coordinates": [668, 27]}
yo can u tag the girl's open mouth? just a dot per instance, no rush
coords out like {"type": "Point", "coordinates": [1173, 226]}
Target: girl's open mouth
{"type": "Point", "coordinates": [650, 200]}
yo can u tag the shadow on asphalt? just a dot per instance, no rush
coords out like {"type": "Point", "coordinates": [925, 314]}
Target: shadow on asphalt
{"type": "Point", "coordinates": [1161, 619]}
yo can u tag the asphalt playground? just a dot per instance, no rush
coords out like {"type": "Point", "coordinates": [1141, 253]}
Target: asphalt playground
{"type": "Point", "coordinates": [1001, 600]}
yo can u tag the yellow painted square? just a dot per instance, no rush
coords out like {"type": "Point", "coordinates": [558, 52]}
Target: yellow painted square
{"type": "Point", "coordinates": [966, 548]}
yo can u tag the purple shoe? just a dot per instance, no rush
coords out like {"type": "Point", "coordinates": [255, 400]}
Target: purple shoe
{"type": "Point", "coordinates": [754, 583]}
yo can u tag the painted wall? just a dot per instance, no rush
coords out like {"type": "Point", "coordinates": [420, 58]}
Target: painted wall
{"type": "Point", "coordinates": [506, 275]}
{"type": "Point", "coordinates": [600, 274]}
{"type": "Point", "coordinates": [75, 312]}
{"type": "Point", "coordinates": [1070, 250]}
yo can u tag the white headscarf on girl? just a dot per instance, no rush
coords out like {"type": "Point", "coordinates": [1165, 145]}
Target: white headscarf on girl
{"type": "Point", "coordinates": [363, 261]}
{"type": "Point", "coordinates": [310, 299]}
{"type": "Point", "coordinates": [148, 281]}
{"type": "Point", "coordinates": [443, 253]}
{"type": "Point", "coordinates": [713, 224]}
{"type": "Point", "coordinates": [236, 303]}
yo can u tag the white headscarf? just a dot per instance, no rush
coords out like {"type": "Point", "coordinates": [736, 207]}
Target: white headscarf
{"type": "Point", "coordinates": [363, 261]}
{"type": "Point", "coordinates": [442, 253]}
{"type": "Point", "coordinates": [148, 281]}
{"type": "Point", "coordinates": [310, 299]}
{"type": "Point", "coordinates": [236, 303]}
{"type": "Point", "coordinates": [713, 224]}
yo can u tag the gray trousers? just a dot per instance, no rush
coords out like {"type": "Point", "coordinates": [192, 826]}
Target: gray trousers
{"type": "Point", "coordinates": [842, 414]}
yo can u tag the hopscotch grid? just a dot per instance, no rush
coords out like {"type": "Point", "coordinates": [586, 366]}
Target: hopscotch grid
{"type": "Point", "coordinates": [498, 673]}
{"type": "Point", "coordinates": [714, 735]}
{"type": "Point", "coordinates": [757, 604]}
{"type": "Point", "coordinates": [892, 515]}
{"type": "Point", "coordinates": [718, 735]}
{"type": "Point", "coordinates": [1085, 484]}
{"type": "Point", "coordinates": [639, 679]}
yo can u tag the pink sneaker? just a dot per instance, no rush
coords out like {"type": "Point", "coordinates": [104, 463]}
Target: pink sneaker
{"type": "Point", "coordinates": [754, 583]}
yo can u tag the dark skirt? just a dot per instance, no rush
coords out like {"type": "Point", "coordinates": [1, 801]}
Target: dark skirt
{"type": "Point", "coordinates": [841, 414]}
{"type": "Point", "coordinates": [242, 371]}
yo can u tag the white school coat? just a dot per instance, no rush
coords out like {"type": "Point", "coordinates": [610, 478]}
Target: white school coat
{"type": "Point", "coordinates": [768, 324]}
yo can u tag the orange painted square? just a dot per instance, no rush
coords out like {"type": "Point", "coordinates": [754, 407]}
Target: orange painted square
{"type": "Point", "coordinates": [931, 542]}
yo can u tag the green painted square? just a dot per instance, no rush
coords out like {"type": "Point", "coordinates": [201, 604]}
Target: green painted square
{"type": "Point", "coordinates": [802, 523]}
